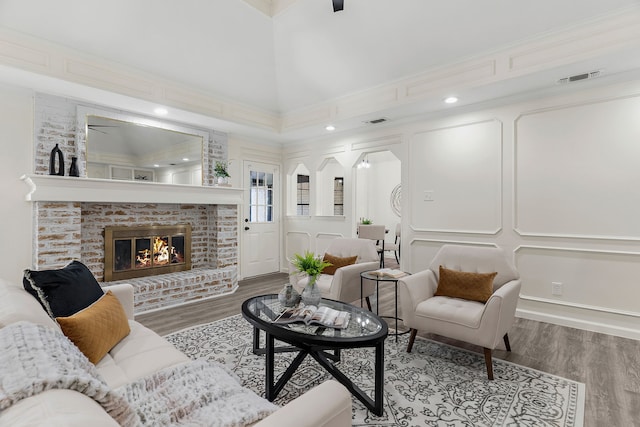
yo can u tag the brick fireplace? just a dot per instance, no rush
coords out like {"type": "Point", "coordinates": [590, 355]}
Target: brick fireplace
{"type": "Point", "coordinates": [71, 214]}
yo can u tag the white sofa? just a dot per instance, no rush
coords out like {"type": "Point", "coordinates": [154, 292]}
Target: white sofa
{"type": "Point", "coordinates": [139, 354]}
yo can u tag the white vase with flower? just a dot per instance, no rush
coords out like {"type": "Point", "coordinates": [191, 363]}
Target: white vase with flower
{"type": "Point", "coordinates": [312, 265]}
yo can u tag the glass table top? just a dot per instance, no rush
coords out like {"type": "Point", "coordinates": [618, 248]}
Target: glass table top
{"type": "Point", "coordinates": [362, 323]}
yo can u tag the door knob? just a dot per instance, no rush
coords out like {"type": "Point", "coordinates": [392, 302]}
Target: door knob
{"type": "Point", "coordinates": [246, 228]}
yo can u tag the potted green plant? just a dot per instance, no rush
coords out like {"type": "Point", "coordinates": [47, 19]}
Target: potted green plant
{"type": "Point", "coordinates": [312, 265]}
{"type": "Point", "coordinates": [365, 221]}
{"type": "Point", "coordinates": [220, 171]}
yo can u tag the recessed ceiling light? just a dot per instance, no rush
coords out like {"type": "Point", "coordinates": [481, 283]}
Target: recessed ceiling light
{"type": "Point", "coordinates": [161, 111]}
{"type": "Point", "coordinates": [156, 166]}
{"type": "Point", "coordinates": [330, 127]}
{"type": "Point", "coordinates": [185, 159]}
{"type": "Point", "coordinates": [451, 100]}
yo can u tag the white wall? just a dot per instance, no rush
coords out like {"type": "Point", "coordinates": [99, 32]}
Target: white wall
{"type": "Point", "coordinates": [456, 178]}
{"type": "Point", "coordinates": [185, 175]}
{"type": "Point", "coordinates": [16, 146]}
{"type": "Point", "coordinates": [324, 187]}
{"type": "Point", "coordinates": [554, 181]}
{"type": "Point", "coordinates": [374, 186]}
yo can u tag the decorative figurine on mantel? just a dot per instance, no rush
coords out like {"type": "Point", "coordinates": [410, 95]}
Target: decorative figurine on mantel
{"type": "Point", "coordinates": [56, 152]}
{"type": "Point", "coordinates": [73, 169]}
{"type": "Point", "coordinates": [221, 174]}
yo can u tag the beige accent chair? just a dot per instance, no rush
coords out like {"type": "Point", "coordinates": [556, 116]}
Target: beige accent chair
{"type": "Point", "coordinates": [376, 233]}
{"type": "Point", "coordinates": [473, 322]}
{"type": "Point", "coordinates": [344, 285]}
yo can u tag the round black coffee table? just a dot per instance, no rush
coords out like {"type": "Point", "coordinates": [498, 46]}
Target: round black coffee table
{"type": "Point", "coordinates": [365, 329]}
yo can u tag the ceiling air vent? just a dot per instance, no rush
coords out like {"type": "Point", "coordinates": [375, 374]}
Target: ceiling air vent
{"type": "Point", "coordinates": [376, 121]}
{"type": "Point", "coordinates": [580, 77]}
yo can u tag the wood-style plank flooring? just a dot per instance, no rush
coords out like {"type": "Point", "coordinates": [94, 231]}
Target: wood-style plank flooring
{"type": "Point", "coordinates": [608, 365]}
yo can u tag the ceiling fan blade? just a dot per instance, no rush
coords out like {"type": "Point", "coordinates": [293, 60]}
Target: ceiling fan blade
{"type": "Point", "coordinates": [338, 5]}
{"type": "Point", "coordinates": [96, 128]}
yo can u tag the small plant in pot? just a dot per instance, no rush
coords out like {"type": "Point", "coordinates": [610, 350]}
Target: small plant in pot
{"type": "Point", "coordinates": [220, 171]}
{"type": "Point", "coordinates": [312, 266]}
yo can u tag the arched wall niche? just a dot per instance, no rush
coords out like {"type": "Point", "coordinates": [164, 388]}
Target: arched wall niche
{"type": "Point", "coordinates": [329, 188]}
{"type": "Point", "coordinates": [373, 188]}
{"type": "Point", "coordinates": [299, 190]}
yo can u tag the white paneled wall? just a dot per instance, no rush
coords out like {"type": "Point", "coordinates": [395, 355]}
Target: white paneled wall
{"type": "Point", "coordinates": [576, 166]}
{"type": "Point", "coordinates": [456, 180]}
{"type": "Point", "coordinates": [554, 181]}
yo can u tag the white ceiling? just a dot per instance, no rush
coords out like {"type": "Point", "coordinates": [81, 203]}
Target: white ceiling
{"type": "Point", "coordinates": [305, 54]}
{"type": "Point", "coordinates": [322, 55]}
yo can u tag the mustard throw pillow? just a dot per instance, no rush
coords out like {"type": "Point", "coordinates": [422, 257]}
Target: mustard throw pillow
{"type": "Point", "coordinates": [465, 285]}
{"type": "Point", "coordinates": [98, 328]}
{"type": "Point", "coordinates": [337, 262]}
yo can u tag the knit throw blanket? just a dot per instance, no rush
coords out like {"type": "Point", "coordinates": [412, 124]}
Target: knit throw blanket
{"type": "Point", "coordinates": [197, 393]}
{"type": "Point", "coordinates": [35, 358]}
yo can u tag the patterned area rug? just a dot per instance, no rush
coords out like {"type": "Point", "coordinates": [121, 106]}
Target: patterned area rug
{"type": "Point", "coordinates": [434, 385]}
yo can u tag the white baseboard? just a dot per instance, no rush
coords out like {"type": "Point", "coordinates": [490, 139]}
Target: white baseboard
{"type": "Point", "coordinates": [619, 331]}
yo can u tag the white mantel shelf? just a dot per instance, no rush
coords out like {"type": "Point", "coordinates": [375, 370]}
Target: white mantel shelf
{"type": "Point", "coordinates": [53, 188]}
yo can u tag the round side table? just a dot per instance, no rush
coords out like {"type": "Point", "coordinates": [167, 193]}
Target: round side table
{"type": "Point", "coordinates": [369, 275]}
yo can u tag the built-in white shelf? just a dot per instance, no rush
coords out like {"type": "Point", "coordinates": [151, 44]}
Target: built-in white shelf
{"type": "Point", "coordinates": [55, 188]}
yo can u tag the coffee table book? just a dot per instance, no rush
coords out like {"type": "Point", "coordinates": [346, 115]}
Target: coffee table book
{"type": "Point", "coordinates": [312, 315]}
{"type": "Point", "coordinates": [388, 272]}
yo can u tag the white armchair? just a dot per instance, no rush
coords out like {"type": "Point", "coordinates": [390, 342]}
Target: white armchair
{"type": "Point", "coordinates": [482, 324]}
{"type": "Point", "coordinates": [344, 285]}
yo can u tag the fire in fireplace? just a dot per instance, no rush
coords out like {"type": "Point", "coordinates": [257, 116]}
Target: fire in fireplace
{"type": "Point", "coordinates": [146, 250]}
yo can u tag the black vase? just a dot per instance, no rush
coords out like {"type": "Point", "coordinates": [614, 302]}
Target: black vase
{"type": "Point", "coordinates": [73, 169]}
{"type": "Point", "coordinates": [53, 170]}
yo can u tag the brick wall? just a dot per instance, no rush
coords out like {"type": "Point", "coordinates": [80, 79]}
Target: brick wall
{"type": "Point", "coordinates": [57, 239]}
{"type": "Point", "coordinates": [55, 123]}
{"type": "Point", "coordinates": [225, 235]}
{"type": "Point", "coordinates": [156, 292]}
{"type": "Point", "coordinates": [71, 230]}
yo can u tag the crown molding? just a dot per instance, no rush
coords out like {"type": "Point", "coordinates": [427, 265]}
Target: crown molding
{"type": "Point", "coordinates": [589, 41]}
{"type": "Point", "coordinates": [42, 57]}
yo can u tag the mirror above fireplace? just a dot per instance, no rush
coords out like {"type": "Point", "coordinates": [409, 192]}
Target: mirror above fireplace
{"type": "Point", "coordinates": [126, 147]}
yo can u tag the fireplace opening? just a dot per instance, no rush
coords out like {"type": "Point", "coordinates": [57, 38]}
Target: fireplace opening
{"type": "Point", "coordinates": [146, 250]}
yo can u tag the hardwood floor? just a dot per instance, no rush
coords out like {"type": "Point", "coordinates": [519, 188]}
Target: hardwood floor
{"type": "Point", "coordinates": [608, 365]}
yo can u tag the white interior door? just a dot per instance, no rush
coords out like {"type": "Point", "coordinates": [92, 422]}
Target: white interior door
{"type": "Point", "coordinates": [260, 227]}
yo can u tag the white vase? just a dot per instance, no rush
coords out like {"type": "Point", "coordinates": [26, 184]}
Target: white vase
{"type": "Point", "coordinates": [222, 180]}
{"type": "Point", "coordinates": [311, 294]}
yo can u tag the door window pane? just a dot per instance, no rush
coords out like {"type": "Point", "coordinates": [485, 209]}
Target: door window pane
{"type": "Point", "coordinates": [261, 197]}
